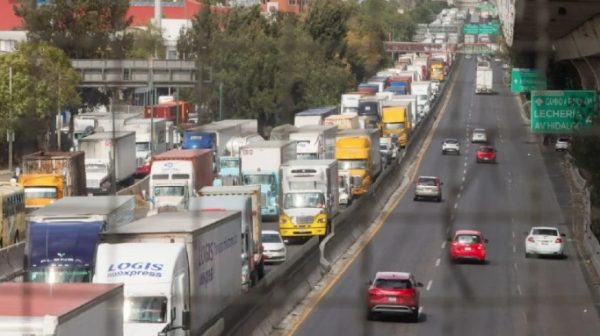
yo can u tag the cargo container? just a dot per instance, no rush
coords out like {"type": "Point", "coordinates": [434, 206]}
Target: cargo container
{"type": "Point", "coordinates": [282, 132]}
{"type": "Point", "coordinates": [314, 116]}
{"type": "Point", "coordinates": [343, 121]}
{"type": "Point", "coordinates": [188, 274]}
{"type": "Point", "coordinates": [350, 102]}
{"type": "Point", "coordinates": [315, 142]}
{"type": "Point", "coordinates": [176, 112]}
{"type": "Point", "coordinates": [213, 136]}
{"type": "Point", "coordinates": [369, 111]}
{"type": "Point", "coordinates": [229, 161]}
{"type": "Point", "coordinates": [61, 309]}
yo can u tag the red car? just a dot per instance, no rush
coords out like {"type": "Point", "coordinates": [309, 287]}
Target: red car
{"type": "Point", "coordinates": [486, 154]}
{"type": "Point", "coordinates": [468, 245]}
{"type": "Point", "coordinates": [394, 293]}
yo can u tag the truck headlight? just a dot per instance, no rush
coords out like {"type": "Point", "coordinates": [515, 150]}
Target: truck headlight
{"type": "Point", "coordinates": [284, 219]}
{"type": "Point", "coordinates": [321, 220]}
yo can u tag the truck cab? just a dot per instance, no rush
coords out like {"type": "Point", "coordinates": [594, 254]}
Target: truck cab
{"type": "Point", "coordinates": [357, 152]}
{"type": "Point", "coordinates": [172, 193]}
{"type": "Point", "coordinates": [345, 188]}
{"type": "Point", "coordinates": [41, 189]}
{"type": "Point", "coordinates": [395, 124]}
{"type": "Point", "coordinates": [156, 277]}
{"type": "Point", "coordinates": [98, 175]}
{"type": "Point", "coordinates": [229, 161]}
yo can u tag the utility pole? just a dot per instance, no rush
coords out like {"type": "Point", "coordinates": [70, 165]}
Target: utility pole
{"type": "Point", "coordinates": [113, 176]}
{"type": "Point", "coordinates": [151, 85]}
{"type": "Point", "coordinates": [10, 134]}
{"type": "Point", "coordinates": [221, 101]}
{"type": "Point", "coordinates": [59, 117]}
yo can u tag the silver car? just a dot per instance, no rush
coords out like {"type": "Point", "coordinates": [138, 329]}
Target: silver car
{"type": "Point", "coordinates": [562, 144]}
{"type": "Point", "coordinates": [479, 135]}
{"type": "Point", "coordinates": [429, 187]}
{"type": "Point", "coordinates": [450, 146]}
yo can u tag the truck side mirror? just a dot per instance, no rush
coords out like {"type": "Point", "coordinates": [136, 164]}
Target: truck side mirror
{"type": "Point", "coordinates": [186, 318]}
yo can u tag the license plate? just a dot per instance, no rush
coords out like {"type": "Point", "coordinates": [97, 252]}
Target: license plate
{"type": "Point", "coordinates": [486, 159]}
{"type": "Point", "coordinates": [467, 249]}
{"type": "Point", "coordinates": [391, 299]}
{"type": "Point", "coordinates": [544, 243]}
{"type": "Point", "coordinates": [302, 231]}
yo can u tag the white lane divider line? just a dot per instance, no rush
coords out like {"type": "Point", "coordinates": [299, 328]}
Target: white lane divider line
{"type": "Point", "coordinates": [458, 195]}
{"type": "Point", "coordinates": [461, 187]}
{"type": "Point", "coordinates": [463, 179]}
{"type": "Point", "coordinates": [429, 285]}
{"type": "Point", "coordinates": [514, 249]}
{"type": "Point", "coordinates": [465, 171]}
{"type": "Point", "coordinates": [465, 164]}
{"type": "Point", "coordinates": [437, 262]}
{"type": "Point", "coordinates": [513, 233]}
{"type": "Point", "coordinates": [443, 245]}
{"type": "Point", "coordinates": [455, 205]}
{"type": "Point", "coordinates": [519, 289]}
{"type": "Point", "coordinates": [515, 266]}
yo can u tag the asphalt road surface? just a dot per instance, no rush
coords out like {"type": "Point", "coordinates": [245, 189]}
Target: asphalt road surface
{"type": "Point", "coordinates": [291, 249]}
{"type": "Point", "coordinates": [510, 295]}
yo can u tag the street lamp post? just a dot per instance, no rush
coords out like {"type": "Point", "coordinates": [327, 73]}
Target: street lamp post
{"type": "Point", "coordinates": [10, 134]}
{"type": "Point", "coordinates": [151, 63]}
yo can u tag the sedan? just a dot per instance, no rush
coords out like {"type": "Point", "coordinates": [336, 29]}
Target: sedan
{"type": "Point", "coordinates": [274, 250]}
{"type": "Point", "coordinates": [486, 154]}
{"type": "Point", "coordinates": [394, 293]}
{"type": "Point", "coordinates": [450, 146]}
{"type": "Point", "coordinates": [468, 245]}
{"type": "Point", "coordinates": [544, 241]}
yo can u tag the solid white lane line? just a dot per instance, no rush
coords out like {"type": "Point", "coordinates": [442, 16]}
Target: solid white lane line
{"type": "Point", "coordinates": [465, 171]}
{"type": "Point", "coordinates": [514, 249]}
{"type": "Point", "coordinates": [429, 284]}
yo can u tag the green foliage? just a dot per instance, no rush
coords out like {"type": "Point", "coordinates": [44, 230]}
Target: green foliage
{"type": "Point", "coordinates": [146, 42]}
{"type": "Point", "coordinates": [43, 81]}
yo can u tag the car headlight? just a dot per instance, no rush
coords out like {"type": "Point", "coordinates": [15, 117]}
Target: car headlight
{"type": "Point", "coordinates": [280, 250]}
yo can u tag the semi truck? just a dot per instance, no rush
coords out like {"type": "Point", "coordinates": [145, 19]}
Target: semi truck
{"type": "Point", "coordinates": [177, 175]}
{"type": "Point", "coordinates": [309, 198]}
{"type": "Point", "coordinates": [102, 153]}
{"type": "Point", "coordinates": [260, 165]}
{"type": "Point", "coordinates": [369, 111]}
{"type": "Point", "coordinates": [62, 237]}
{"type": "Point", "coordinates": [252, 191]}
{"type": "Point", "coordinates": [229, 161]}
{"type": "Point", "coordinates": [173, 136]}
{"type": "Point", "coordinates": [61, 309]}
{"type": "Point", "coordinates": [436, 69]}
{"type": "Point", "coordinates": [314, 116]}
{"type": "Point", "coordinates": [343, 121]}
{"type": "Point", "coordinates": [357, 152]}
{"type": "Point", "coordinates": [247, 126]}
{"type": "Point", "coordinates": [282, 132]}
{"type": "Point", "coordinates": [315, 142]}
{"type": "Point", "coordinates": [350, 102]}
{"type": "Point", "coordinates": [396, 122]}
{"type": "Point", "coordinates": [212, 136]}
{"type": "Point", "coordinates": [424, 96]}
{"type": "Point", "coordinates": [415, 117]}
{"type": "Point", "coordinates": [178, 269]}
{"type": "Point", "coordinates": [50, 176]}
{"type": "Point", "coordinates": [484, 78]}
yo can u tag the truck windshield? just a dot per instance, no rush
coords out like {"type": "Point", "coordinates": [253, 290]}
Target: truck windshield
{"type": "Point", "coordinates": [258, 179]}
{"type": "Point", "coordinates": [393, 126]}
{"type": "Point", "coordinates": [40, 192]}
{"type": "Point", "coordinates": [169, 191]}
{"type": "Point", "coordinates": [145, 309]}
{"type": "Point", "coordinates": [142, 146]}
{"type": "Point", "coordinates": [422, 97]}
{"type": "Point", "coordinates": [352, 164]}
{"type": "Point", "coordinates": [61, 275]}
{"type": "Point", "coordinates": [230, 163]}
{"type": "Point", "coordinates": [304, 200]}
{"type": "Point", "coordinates": [95, 168]}
{"type": "Point", "coordinates": [307, 157]}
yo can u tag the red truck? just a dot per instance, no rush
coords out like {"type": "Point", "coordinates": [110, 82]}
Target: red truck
{"type": "Point", "coordinates": [179, 174]}
{"type": "Point", "coordinates": [168, 110]}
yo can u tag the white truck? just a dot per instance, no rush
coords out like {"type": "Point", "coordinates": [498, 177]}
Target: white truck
{"type": "Point", "coordinates": [309, 198]}
{"type": "Point", "coordinates": [343, 121]}
{"type": "Point", "coordinates": [100, 150]}
{"type": "Point", "coordinates": [61, 309]}
{"type": "Point", "coordinates": [415, 117]}
{"type": "Point", "coordinates": [315, 142]}
{"type": "Point", "coordinates": [424, 96]}
{"type": "Point", "coordinates": [173, 136]}
{"type": "Point", "coordinates": [260, 165]}
{"type": "Point", "coordinates": [178, 269]}
{"type": "Point", "coordinates": [485, 78]}
{"type": "Point", "coordinates": [350, 103]}
{"type": "Point", "coordinates": [229, 161]}
{"type": "Point", "coordinates": [346, 191]}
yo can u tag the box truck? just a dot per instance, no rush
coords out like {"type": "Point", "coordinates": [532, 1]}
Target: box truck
{"type": "Point", "coordinates": [309, 198]}
{"type": "Point", "coordinates": [484, 78]}
{"type": "Point", "coordinates": [343, 121]}
{"type": "Point", "coordinates": [62, 237]}
{"type": "Point", "coordinates": [212, 136]}
{"type": "Point", "coordinates": [229, 161]}
{"type": "Point", "coordinates": [260, 166]}
{"type": "Point", "coordinates": [102, 153]}
{"type": "Point", "coordinates": [179, 266]}
{"type": "Point", "coordinates": [314, 116]}
{"type": "Point", "coordinates": [178, 174]}
{"type": "Point", "coordinates": [61, 309]}
{"type": "Point", "coordinates": [315, 142]}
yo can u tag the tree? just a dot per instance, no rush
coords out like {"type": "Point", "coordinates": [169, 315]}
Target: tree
{"type": "Point", "coordinates": [146, 42]}
{"type": "Point", "coordinates": [43, 82]}
{"type": "Point", "coordinates": [326, 23]}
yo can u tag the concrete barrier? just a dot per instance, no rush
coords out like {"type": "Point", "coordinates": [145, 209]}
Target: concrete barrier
{"type": "Point", "coordinates": [137, 188]}
{"type": "Point", "coordinates": [11, 261]}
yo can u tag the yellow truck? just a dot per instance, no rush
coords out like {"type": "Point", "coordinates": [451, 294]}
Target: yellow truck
{"type": "Point", "coordinates": [50, 176]}
{"type": "Point", "coordinates": [436, 69]}
{"type": "Point", "coordinates": [358, 155]}
{"type": "Point", "coordinates": [395, 121]}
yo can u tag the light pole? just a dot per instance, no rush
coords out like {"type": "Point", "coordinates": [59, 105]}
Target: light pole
{"type": "Point", "coordinates": [151, 63]}
{"type": "Point", "coordinates": [10, 134]}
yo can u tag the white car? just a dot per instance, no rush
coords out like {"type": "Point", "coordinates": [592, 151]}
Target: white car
{"type": "Point", "coordinates": [274, 250]}
{"type": "Point", "coordinates": [468, 56]}
{"type": "Point", "coordinates": [429, 187]}
{"type": "Point", "coordinates": [562, 144]}
{"type": "Point", "coordinates": [450, 146]}
{"type": "Point", "coordinates": [505, 66]}
{"type": "Point", "coordinates": [544, 241]}
{"type": "Point", "coordinates": [479, 135]}
{"type": "Point", "coordinates": [498, 59]}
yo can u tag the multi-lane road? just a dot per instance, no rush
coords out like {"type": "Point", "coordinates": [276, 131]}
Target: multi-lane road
{"type": "Point", "coordinates": [510, 295]}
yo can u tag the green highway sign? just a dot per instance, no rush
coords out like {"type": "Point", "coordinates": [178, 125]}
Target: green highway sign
{"type": "Point", "coordinates": [490, 29]}
{"type": "Point", "coordinates": [527, 80]}
{"type": "Point", "coordinates": [496, 22]}
{"type": "Point", "coordinates": [562, 111]}
{"type": "Point", "coordinates": [471, 29]}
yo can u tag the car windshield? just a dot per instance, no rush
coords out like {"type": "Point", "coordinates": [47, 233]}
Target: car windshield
{"type": "Point", "coordinates": [230, 163]}
{"type": "Point", "coordinates": [451, 142]}
{"type": "Point", "coordinates": [393, 283]}
{"type": "Point", "coordinates": [383, 147]}
{"type": "Point", "coordinates": [545, 232]}
{"type": "Point", "coordinates": [146, 309]}
{"type": "Point", "coordinates": [425, 181]}
{"type": "Point", "coordinates": [486, 149]}
{"type": "Point", "coordinates": [467, 239]}
{"type": "Point", "coordinates": [271, 238]}
{"type": "Point", "coordinates": [478, 130]}
{"type": "Point", "coordinates": [142, 146]}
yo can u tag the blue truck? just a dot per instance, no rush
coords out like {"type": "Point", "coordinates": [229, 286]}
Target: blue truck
{"type": "Point", "coordinates": [63, 236]}
{"type": "Point", "coordinates": [211, 136]}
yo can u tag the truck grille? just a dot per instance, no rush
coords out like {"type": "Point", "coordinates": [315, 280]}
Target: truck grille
{"type": "Point", "coordinates": [302, 219]}
{"type": "Point", "coordinates": [263, 200]}
{"type": "Point", "coordinates": [140, 162]}
{"type": "Point", "coordinates": [92, 183]}
{"type": "Point", "coordinates": [357, 181]}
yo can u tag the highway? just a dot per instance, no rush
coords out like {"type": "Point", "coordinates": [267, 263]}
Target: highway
{"type": "Point", "coordinates": [510, 295]}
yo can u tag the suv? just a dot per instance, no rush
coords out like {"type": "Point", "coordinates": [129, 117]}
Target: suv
{"type": "Point", "coordinates": [479, 135]}
{"type": "Point", "coordinates": [428, 187]}
{"type": "Point", "coordinates": [450, 145]}
{"type": "Point", "coordinates": [394, 293]}
{"type": "Point", "coordinates": [562, 144]}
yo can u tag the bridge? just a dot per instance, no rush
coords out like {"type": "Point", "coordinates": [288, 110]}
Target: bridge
{"type": "Point", "coordinates": [460, 48]}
